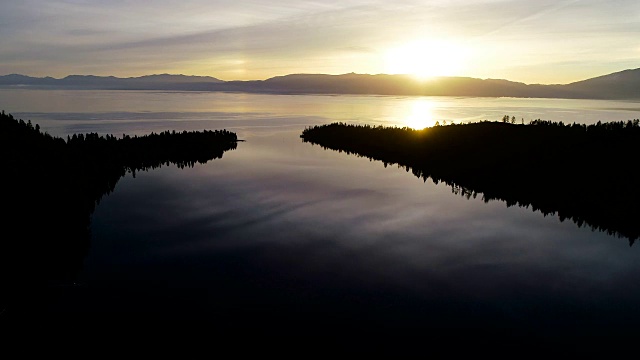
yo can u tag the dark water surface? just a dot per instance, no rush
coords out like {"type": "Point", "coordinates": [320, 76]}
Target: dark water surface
{"type": "Point", "coordinates": [280, 239]}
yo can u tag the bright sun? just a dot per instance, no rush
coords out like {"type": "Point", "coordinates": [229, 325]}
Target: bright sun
{"type": "Point", "coordinates": [425, 59]}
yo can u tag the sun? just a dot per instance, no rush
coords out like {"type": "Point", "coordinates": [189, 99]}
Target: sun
{"type": "Point", "coordinates": [425, 59]}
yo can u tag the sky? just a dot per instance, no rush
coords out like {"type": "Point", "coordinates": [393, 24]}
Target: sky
{"type": "Point", "coordinates": [542, 41]}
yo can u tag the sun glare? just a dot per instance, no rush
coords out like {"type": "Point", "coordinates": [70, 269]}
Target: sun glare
{"type": "Point", "coordinates": [425, 59]}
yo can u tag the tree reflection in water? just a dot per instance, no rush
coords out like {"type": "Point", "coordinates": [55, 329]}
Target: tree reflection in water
{"type": "Point", "coordinates": [52, 186]}
{"type": "Point", "coordinates": [584, 173]}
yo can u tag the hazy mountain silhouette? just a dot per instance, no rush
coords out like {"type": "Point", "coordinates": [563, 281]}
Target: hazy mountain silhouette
{"type": "Point", "coordinates": [147, 82]}
{"type": "Point", "coordinates": [620, 85]}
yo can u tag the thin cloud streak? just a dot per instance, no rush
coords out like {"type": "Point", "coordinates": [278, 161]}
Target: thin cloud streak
{"type": "Point", "coordinates": [546, 10]}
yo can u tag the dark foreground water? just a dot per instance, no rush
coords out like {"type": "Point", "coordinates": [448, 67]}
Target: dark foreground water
{"type": "Point", "coordinates": [283, 243]}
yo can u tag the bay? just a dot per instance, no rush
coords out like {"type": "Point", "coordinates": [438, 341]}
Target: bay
{"type": "Point", "coordinates": [283, 237]}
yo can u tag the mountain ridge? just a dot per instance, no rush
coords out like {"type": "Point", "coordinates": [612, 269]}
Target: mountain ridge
{"type": "Point", "coordinates": [623, 84]}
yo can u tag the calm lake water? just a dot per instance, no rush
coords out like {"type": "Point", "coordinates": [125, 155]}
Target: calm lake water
{"type": "Point", "coordinates": [283, 236]}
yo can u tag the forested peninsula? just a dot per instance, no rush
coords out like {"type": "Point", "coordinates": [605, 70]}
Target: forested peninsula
{"type": "Point", "coordinates": [585, 173]}
{"type": "Point", "coordinates": [51, 186]}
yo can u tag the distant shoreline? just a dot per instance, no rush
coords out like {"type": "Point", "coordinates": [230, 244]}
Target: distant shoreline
{"type": "Point", "coordinates": [623, 85]}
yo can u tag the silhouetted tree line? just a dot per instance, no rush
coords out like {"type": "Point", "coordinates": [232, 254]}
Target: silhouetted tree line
{"type": "Point", "coordinates": [51, 187]}
{"type": "Point", "coordinates": [586, 173]}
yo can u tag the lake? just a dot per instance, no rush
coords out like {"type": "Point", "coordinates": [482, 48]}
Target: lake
{"type": "Point", "coordinates": [280, 238]}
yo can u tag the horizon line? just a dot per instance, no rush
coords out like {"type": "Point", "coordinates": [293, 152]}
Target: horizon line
{"type": "Point", "coordinates": [311, 73]}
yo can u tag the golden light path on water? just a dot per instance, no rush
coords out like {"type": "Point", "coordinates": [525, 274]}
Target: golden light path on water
{"type": "Point", "coordinates": [423, 112]}
{"type": "Point", "coordinates": [421, 115]}
{"type": "Point", "coordinates": [417, 114]}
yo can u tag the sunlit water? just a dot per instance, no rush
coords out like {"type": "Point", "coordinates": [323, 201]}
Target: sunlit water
{"type": "Point", "coordinates": [284, 233]}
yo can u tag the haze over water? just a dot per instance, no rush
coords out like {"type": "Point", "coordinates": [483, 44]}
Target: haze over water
{"type": "Point", "coordinates": [280, 233]}
{"type": "Point", "coordinates": [140, 112]}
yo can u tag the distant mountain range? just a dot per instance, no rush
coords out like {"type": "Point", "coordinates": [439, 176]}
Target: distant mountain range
{"type": "Point", "coordinates": [620, 85]}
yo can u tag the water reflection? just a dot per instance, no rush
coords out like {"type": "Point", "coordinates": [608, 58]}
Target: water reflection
{"type": "Point", "coordinates": [545, 166]}
{"type": "Point", "coordinates": [420, 116]}
{"type": "Point", "coordinates": [135, 110]}
{"type": "Point", "coordinates": [296, 242]}
{"type": "Point", "coordinates": [286, 241]}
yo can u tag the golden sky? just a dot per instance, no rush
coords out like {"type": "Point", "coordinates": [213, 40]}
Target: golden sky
{"type": "Point", "coordinates": [529, 41]}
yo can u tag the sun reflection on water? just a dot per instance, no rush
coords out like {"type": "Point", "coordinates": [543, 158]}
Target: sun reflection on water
{"type": "Point", "coordinates": [420, 115]}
